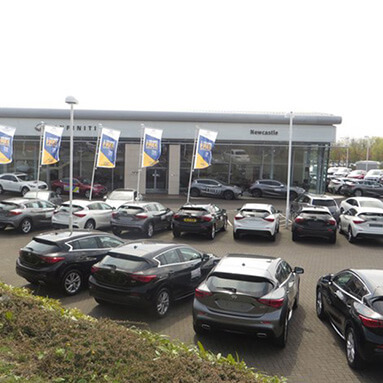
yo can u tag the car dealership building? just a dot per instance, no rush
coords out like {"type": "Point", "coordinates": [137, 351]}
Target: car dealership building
{"type": "Point", "coordinates": [249, 146]}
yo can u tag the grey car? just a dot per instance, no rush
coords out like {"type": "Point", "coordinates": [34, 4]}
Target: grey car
{"type": "Point", "coordinates": [273, 188]}
{"type": "Point", "coordinates": [310, 199]}
{"type": "Point", "coordinates": [46, 195]}
{"type": "Point", "coordinates": [250, 294]}
{"type": "Point", "coordinates": [144, 217]}
{"type": "Point", "coordinates": [213, 188]}
{"type": "Point", "coordinates": [25, 214]}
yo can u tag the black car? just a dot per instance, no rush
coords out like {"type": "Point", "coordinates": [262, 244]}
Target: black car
{"type": "Point", "coordinates": [352, 300]}
{"type": "Point", "coordinates": [144, 217]}
{"type": "Point", "coordinates": [204, 219]}
{"type": "Point", "coordinates": [273, 188]}
{"type": "Point", "coordinates": [360, 188]}
{"type": "Point", "coordinates": [63, 259]}
{"type": "Point", "coordinates": [314, 221]}
{"type": "Point", "coordinates": [149, 274]}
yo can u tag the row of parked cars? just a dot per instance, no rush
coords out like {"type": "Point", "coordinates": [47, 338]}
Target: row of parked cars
{"type": "Point", "coordinates": [240, 292]}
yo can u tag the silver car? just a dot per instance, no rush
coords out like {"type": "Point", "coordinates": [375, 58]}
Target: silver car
{"type": "Point", "coordinates": [213, 188]}
{"type": "Point", "coordinates": [25, 214]}
{"type": "Point", "coordinates": [46, 195]}
{"type": "Point", "coordinates": [248, 293]}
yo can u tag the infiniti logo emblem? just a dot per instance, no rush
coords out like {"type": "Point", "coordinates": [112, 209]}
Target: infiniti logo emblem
{"type": "Point", "coordinates": [234, 297]}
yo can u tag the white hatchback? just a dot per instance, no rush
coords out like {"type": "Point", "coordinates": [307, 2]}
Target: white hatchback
{"type": "Point", "coordinates": [258, 219]}
{"type": "Point", "coordinates": [361, 222]}
{"type": "Point", "coordinates": [360, 202]}
{"type": "Point", "coordinates": [86, 215]}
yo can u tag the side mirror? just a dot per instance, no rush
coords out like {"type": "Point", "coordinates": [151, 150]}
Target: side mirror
{"type": "Point", "coordinates": [299, 270]}
{"type": "Point", "coordinates": [205, 257]}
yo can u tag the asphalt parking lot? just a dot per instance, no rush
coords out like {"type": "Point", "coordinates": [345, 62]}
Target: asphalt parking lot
{"type": "Point", "coordinates": [314, 352]}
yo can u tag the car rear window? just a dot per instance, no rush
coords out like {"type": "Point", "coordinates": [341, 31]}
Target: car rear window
{"type": "Point", "coordinates": [324, 202]}
{"type": "Point", "coordinates": [249, 285]}
{"type": "Point", "coordinates": [254, 213]}
{"type": "Point", "coordinates": [316, 212]}
{"type": "Point", "coordinates": [371, 204]}
{"type": "Point", "coordinates": [131, 209]}
{"type": "Point", "coordinates": [193, 210]}
{"type": "Point", "coordinates": [370, 215]}
{"type": "Point", "coordinates": [125, 262]}
{"type": "Point", "coordinates": [42, 247]}
{"type": "Point", "coordinates": [8, 206]}
{"type": "Point", "coordinates": [65, 208]}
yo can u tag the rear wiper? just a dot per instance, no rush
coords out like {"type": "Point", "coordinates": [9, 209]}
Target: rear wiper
{"type": "Point", "coordinates": [232, 289]}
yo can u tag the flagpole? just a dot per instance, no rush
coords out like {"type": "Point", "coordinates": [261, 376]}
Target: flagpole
{"type": "Point", "coordinates": [39, 166]}
{"type": "Point", "coordinates": [95, 161]}
{"type": "Point", "coordinates": [192, 164]}
{"type": "Point", "coordinates": [140, 159]}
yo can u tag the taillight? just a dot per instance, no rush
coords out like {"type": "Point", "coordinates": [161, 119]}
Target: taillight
{"type": "Point", "coordinates": [141, 216]}
{"type": "Point", "coordinates": [51, 260]}
{"type": "Point", "coordinates": [275, 303]}
{"type": "Point", "coordinates": [299, 220]}
{"type": "Point", "coordinates": [269, 219]}
{"type": "Point", "coordinates": [371, 323]}
{"type": "Point", "coordinates": [94, 269]}
{"type": "Point", "coordinates": [202, 293]}
{"type": "Point", "coordinates": [143, 278]}
{"type": "Point", "coordinates": [114, 214]}
{"type": "Point", "coordinates": [331, 221]}
{"type": "Point", "coordinates": [239, 217]}
{"type": "Point", "coordinates": [176, 216]}
{"type": "Point", "coordinates": [207, 218]}
{"type": "Point", "coordinates": [357, 221]}
{"type": "Point", "coordinates": [80, 215]}
{"type": "Point", "coordinates": [15, 212]}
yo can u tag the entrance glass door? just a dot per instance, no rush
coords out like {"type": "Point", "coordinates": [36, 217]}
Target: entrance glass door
{"type": "Point", "coordinates": [157, 180]}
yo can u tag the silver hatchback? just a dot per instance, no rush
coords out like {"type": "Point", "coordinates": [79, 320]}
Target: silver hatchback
{"type": "Point", "coordinates": [25, 214]}
{"type": "Point", "coordinates": [248, 293]}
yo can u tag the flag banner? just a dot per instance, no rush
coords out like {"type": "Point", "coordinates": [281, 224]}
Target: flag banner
{"type": "Point", "coordinates": [151, 147]}
{"type": "Point", "coordinates": [6, 144]}
{"type": "Point", "coordinates": [51, 145]}
{"type": "Point", "coordinates": [107, 151]}
{"type": "Point", "coordinates": [205, 145]}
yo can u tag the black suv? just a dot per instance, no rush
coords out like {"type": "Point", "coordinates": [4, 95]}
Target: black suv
{"type": "Point", "coordinates": [63, 259]}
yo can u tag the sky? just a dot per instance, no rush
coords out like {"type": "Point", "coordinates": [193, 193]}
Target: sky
{"type": "Point", "coordinates": [238, 56]}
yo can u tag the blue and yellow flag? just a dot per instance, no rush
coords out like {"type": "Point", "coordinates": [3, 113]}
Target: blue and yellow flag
{"type": "Point", "coordinates": [6, 144]}
{"type": "Point", "coordinates": [107, 151]}
{"type": "Point", "coordinates": [151, 147]}
{"type": "Point", "coordinates": [51, 145]}
{"type": "Point", "coordinates": [205, 145]}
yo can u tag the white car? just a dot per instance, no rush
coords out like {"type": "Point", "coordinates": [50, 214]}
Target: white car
{"type": "Point", "coordinates": [120, 196]}
{"type": "Point", "coordinates": [256, 218]}
{"type": "Point", "coordinates": [237, 156]}
{"type": "Point", "coordinates": [86, 215]}
{"type": "Point", "coordinates": [374, 175]}
{"type": "Point", "coordinates": [360, 202]}
{"type": "Point", "coordinates": [361, 222]}
{"type": "Point", "coordinates": [336, 184]}
{"type": "Point", "coordinates": [19, 183]}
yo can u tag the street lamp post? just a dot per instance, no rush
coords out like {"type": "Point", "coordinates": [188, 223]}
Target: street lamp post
{"type": "Point", "coordinates": [71, 101]}
{"type": "Point", "coordinates": [368, 151]}
{"type": "Point", "coordinates": [291, 117]}
{"type": "Point", "coordinates": [347, 142]}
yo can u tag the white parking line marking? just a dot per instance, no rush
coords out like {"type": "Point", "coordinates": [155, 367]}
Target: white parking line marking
{"type": "Point", "coordinates": [229, 223]}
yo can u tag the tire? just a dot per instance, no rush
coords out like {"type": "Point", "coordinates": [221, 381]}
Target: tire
{"type": "Point", "coordinates": [195, 192]}
{"type": "Point", "coordinates": [25, 226]}
{"type": "Point", "coordinates": [176, 233]}
{"type": "Point", "coordinates": [358, 193]}
{"type": "Point", "coordinates": [350, 236]}
{"type": "Point", "coordinates": [235, 235]}
{"type": "Point", "coordinates": [277, 229]}
{"type": "Point", "coordinates": [228, 195]}
{"type": "Point", "coordinates": [281, 341]}
{"type": "Point", "coordinates": [116, 231]}
{"type": "Point", "coordinates": [352, 350]}
{"type": "Point", "coordinates": [224, 227]}
{"type": "Point", "coordinates": [161, 303]}
{"type": "Point", "coordinates": [1, 190]}
{"type": "Point", "coordinates": [273, 237]}
{"type": "Point", "coordinates": [294, 237]}
{"type": "Point", "coordinates": [296, 301]}
{"type": "Point", "coordinates": [212, 233]}
{"type": "Point", "coordinates": [256, 193]}
{"type": "Point", "coordinates": [24, 190]}
{"type": "Point", "coordinates": [149, 230]}
{"type": "Point", "coordinates": [170, 226]}
{"type": "Point", "coordinates": [87, 194]}
{"type": "Point", "coordinates": [319, 305]}
{"type": "Point", "coordinates": [90, 225]}
{"type": "Point", "coordinates": [71, 282]}
{"type": "Point", "coordinates": [332, 239]}
{"type": "Point", "coordinates": [58, 190]}
{"type": "Point", "coordinates": [101, 302]}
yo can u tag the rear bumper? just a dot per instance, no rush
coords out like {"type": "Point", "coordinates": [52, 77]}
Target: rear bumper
{"type": "Point", "coordinates": [260, 232]}
{"type": "Point", "coordinates": [44, 276]}
{"type": "Point", "coordinates": [192, 228]}
{"type": "Point", "coordinates": [320, 233]}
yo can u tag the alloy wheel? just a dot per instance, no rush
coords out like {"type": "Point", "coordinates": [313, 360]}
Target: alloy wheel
{"type": "Point", "coordinates": [26, 226]}
{"type": "Point", "coordinates": [72, 282]}
{"type": "Point", "coordinates": [350, 347]}
{"type": "Point", "coordinates": [163, 303]}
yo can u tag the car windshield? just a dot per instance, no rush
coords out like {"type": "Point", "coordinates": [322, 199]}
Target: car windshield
{"type": "Point", "coordinates": [249, 285]}
{"type": "Point", "coordinates": [65, 208]}
{"type": "Point", "coordinates": [324, 202]}
{"type": "Point", "coordinates": [378, 204]}
{"type": "Point", "coordinates": [369, 215]}
{"type": "Point", "coordinates": [40, 194]}
{"type": "Point", "coordinates": [84, 180]}
{"type": "Point", "coordinates": [122, 195]}
{"type": "Point", "coordinates": [239, 152]}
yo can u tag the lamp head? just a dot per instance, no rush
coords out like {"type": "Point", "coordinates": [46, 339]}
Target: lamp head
{"type": "Point", "coordinates": [71, 100]}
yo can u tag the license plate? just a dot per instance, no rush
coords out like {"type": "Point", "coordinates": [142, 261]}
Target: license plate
{"type": "Point", "coordinates": [375, 225]}
{"type": "Point", "coordinates": [190, 220]}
